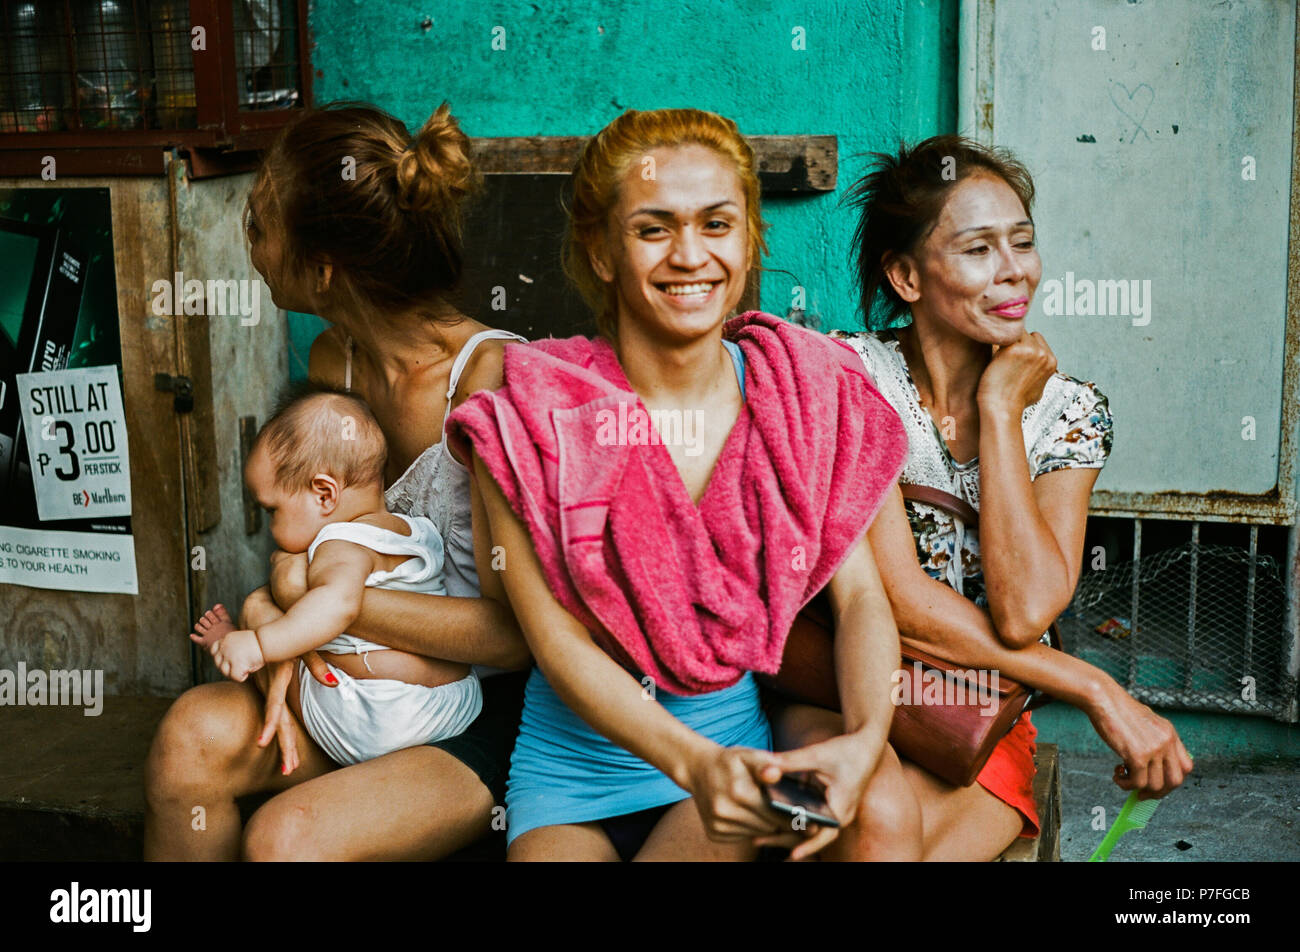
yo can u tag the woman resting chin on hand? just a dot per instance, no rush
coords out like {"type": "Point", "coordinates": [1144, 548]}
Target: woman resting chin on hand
{"type": "Point", "coordinates": [990, 421]}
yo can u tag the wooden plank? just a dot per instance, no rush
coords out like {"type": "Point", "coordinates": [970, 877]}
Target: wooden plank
{"type": "Point", "coordinates": [786, 164]}
{"type": "Point", "coordinates": [193, 350]}
{"type": "Point", "coordinates": [1050, 851]}
{"type": "Point", "coordinates": [792, 164]}
{"type": "Point", "coordinates": [1046, 846]}
{"type": "Point", "coordinates": [142, 160]}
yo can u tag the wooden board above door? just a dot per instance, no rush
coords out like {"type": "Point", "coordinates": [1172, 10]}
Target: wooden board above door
{"type": "Point", "coordinates": [787, 165]}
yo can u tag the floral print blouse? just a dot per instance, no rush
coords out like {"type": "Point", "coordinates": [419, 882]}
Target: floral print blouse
{"type": "Point", "coordinates": [1069, 427]}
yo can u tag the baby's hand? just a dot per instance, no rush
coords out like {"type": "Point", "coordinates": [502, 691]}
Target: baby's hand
{"type": "Point", "coordinates": [238, 655]}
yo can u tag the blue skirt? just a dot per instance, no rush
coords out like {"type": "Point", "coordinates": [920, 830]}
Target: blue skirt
{"type": "Point", "coordinates": [562, 771]}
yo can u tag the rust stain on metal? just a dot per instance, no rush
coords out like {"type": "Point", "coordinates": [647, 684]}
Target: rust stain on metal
{"type": "Point", "coordinates": [1214, 506]}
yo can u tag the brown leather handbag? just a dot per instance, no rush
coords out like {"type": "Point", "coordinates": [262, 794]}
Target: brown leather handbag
{"type": "Point", "coordinates": [941, 723]}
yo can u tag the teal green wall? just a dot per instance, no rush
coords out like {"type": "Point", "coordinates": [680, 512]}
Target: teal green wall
{"type": "Point", "coordinates": [872, 71]}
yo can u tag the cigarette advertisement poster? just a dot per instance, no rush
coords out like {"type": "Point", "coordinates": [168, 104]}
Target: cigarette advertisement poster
{"type": "Point", "coordinates": [65, 475]}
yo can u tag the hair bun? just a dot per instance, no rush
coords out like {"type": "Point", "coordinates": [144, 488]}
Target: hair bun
{"type": "Point", "coordinates": [435, 173]}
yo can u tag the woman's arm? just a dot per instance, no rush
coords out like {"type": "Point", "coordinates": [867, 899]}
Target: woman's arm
{"type": "Point", "coordinates": [866, 657]}
{"type": "Point", "coordinates": [1031, 531]}
{"type": "Point", "coordinates": [1031, 538]}
{"type": "Point", "coordinates": [866, 647]}
{"type": "Point", "coordinates": [935, 618]}
{"type": "Point", "coordinates": [607, 697]}
{"type": "Point", "coordinates": [467, 630]}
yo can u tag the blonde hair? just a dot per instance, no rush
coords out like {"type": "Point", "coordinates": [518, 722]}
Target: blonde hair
{"type": "Point", "coordinates": [322, 430]}
{"type": "Point", "coordinates": [350, 184]}
{"type": "Point", "coordinates": [604, 165]}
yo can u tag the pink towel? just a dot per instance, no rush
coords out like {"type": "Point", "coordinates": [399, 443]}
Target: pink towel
{"type": "Point", "coordinates": [691, 596]}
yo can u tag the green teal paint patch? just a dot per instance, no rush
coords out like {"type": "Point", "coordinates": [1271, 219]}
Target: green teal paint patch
{"type": "Point", "coordinates": [1210, 736]}
{"type": "Point", "coordinates": [303, 329]}
{"type": "Point", "coordinates": [774, 66]}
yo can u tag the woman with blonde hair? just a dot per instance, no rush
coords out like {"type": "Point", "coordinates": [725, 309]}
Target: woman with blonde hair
{"type": "Point", "coordinates": [654, 568]}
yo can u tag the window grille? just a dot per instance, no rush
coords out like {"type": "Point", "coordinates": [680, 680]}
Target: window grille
{"type": "Point", "coordinates": [120, 74]}
{"type": "Point", "coordinates": [1192, 616]}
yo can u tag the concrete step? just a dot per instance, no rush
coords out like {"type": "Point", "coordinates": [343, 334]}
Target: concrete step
{"type": "Point", "coordinates": [72, 787]}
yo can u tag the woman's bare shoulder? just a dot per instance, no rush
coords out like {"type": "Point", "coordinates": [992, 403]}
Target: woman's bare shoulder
{"type": "Point", "coordinates": [483, 371]}
{"type": "Point", "coordinates": [325, 363]}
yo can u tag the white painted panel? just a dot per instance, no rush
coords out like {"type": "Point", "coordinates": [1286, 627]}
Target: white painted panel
{"type": "Point", "coordinates": [1182, 98]}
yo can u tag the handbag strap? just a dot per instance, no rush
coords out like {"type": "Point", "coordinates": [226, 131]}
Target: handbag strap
{"type": "Point", "coordinates": [967, 513]}
{"type": "Point", "coordinates": [949, 503]}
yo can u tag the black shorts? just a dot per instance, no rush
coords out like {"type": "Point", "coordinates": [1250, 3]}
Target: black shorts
{"type": "Point", "coordinates": [629, 832]}
{"type": "Point", "coordinates": [486, 746]}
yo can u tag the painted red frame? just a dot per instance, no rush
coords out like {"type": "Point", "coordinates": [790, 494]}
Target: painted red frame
{"type": "Point", "coordinates": [222, 126]}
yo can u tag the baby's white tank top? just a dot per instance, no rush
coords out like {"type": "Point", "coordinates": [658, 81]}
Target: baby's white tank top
{"type": "Point", "coordinates": [421, 572]}
{"type": "Point", "coordinates": [436, 486]}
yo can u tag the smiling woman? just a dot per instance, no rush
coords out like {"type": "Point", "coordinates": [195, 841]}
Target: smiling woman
{"type": "Point", "coordinates": [710, 199]}
{"type": "Point", "coordinates": [651, 577]}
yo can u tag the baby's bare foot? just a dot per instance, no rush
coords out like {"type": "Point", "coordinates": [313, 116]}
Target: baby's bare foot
{"type": "Point", "coordinates": [212, 627]}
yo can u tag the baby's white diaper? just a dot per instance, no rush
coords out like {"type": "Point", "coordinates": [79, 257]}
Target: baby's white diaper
{"type": "Point", "coordinates": [364, 718]}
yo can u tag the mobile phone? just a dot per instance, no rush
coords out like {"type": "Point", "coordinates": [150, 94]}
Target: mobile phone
{"type": "Point", "coordinates": [800, 795]}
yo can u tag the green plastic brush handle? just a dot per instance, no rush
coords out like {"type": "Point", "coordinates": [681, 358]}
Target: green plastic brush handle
{"type": "Point", "coordinates": [1117, 829]}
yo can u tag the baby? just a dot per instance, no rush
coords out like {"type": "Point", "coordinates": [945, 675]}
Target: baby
{"type": "Point", "coordinates": [317, 467]}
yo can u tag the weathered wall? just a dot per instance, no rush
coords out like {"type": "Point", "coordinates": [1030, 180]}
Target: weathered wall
{"type": "Point", "coordinates": [244, 355]}
{"type": "Point", "coordinates": [138, 642]}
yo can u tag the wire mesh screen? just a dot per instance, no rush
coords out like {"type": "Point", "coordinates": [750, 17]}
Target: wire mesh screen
{"type": "Point", "coordinates": [35, 82]}
{"type": "Point", "coordinates": [128, 64]}
{"type": "Point", "coordinates": [1194, 626]}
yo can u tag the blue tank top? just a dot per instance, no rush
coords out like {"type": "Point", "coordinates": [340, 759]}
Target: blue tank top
{"type": "Point", "coordinates": [737, 358]}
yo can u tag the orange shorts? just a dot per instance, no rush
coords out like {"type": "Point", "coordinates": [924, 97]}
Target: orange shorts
{"type": "Point", "coordinates": [1009, 774]}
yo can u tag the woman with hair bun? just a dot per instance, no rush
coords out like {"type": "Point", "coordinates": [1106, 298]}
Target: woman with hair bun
{"type": "Point", "coordinates": [948, 263]}
{"type": "Point", "coordinates": [353, 219]}
{"type": "Point", "coordinates": [668, 495]}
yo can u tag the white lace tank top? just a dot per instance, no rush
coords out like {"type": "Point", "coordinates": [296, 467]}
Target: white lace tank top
{"type": "Point", "coordinates": [436, 486]}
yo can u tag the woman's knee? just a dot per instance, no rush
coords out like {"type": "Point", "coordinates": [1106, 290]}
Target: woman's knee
{"type": "Point", "coordinates": [201, 743]}
{"type": "Point", "coordinates": [888, 822]}
{"type": "Point", "coordinates": [280, 832]}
